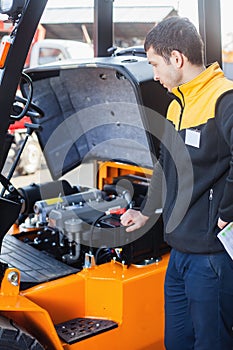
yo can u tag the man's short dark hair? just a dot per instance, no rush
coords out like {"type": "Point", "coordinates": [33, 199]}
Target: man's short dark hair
{"type": "Point", "coordinates": [176, 33]}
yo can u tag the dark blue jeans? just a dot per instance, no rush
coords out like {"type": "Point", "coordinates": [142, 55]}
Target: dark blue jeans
{"type": "Point", "coordinates": [199, 302]}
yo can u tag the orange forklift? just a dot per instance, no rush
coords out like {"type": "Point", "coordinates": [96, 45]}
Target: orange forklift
{"type": "Point", "coordinates": [71, 276]}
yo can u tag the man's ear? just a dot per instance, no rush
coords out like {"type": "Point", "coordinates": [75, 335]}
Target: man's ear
{"type": "Point", "coordinates": [177, 58]}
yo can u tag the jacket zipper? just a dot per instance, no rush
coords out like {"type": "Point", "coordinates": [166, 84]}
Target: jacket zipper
{"type": "Point", "coordinates": [211, 194]}
{"type": "Point", "coordinates": [182, 108]}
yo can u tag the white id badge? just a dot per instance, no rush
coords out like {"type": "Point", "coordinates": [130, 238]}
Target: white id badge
{"type": "Point", "coordinates": [193, 137]}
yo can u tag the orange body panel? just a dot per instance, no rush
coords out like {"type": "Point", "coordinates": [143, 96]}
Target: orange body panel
{"type": "Point", "coordinates": [132, 297]}
{"type": "Point", "coordinates": [108, 170]}
{"type": "Point", "coordinates": [4, 49]}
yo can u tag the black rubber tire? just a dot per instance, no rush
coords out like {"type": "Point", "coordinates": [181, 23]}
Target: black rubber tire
{"type": "Point", "coordinates": [13, 337]}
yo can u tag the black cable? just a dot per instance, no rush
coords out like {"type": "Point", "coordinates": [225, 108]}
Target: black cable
{"type": "Point", "coordinates": [93, 225]}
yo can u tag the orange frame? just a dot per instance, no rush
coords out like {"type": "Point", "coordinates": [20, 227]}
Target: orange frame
{"type": "Point", "coordinates": [132, 297]}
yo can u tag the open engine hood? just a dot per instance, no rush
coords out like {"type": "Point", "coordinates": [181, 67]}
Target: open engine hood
{"type": "Point", "coordinates": [97, 110]}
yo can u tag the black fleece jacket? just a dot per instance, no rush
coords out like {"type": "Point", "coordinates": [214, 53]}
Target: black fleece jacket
{"type": "Point", "coordinates": [193, 179]}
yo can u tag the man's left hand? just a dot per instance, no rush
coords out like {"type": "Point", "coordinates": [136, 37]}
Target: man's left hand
{"type": "Point", "coordinates": [221, 223]}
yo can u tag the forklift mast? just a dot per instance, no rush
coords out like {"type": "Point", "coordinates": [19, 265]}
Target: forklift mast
{"type": "Point", "coordinates": [209, 13]}
{"type": "Point", "coordinates": [10, 74]}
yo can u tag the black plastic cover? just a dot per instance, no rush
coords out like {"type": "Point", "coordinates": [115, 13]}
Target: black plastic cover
{"type": "Point", "coordinates": [97, 110]}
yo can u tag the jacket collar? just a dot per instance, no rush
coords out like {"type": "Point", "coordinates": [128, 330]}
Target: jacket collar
{"type": "Point", "coordinates": [198, 84]}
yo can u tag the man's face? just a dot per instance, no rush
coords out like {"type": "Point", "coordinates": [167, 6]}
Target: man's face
{"type": "Point", "coordinates": [166, 73]}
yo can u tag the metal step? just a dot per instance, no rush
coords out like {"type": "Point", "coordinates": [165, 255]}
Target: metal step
{"type": "Point", "coordinates": [78, 329]}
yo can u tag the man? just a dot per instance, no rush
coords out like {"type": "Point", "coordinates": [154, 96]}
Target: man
{"type": "Point", "coordinates": [199, 277]}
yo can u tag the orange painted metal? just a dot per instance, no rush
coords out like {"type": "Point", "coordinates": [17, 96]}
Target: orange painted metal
{"type": "Point", "coordinates": [132, 297]}
{"type": "Point", "coordinates": [27, 314]}
{"type": "Point", "coordinates": [4, 49]}
{"type": "Point", "coordinates": [108, 170]}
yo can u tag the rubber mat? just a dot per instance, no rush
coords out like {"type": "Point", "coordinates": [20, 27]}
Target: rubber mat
{"type": "Point", "coordinates": [35, 266]}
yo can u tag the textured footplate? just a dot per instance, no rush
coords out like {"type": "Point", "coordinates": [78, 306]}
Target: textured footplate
{"type": "Point", "coordinates": [81, 328]}
{"type": "Point", "coordinates": [35, 266]}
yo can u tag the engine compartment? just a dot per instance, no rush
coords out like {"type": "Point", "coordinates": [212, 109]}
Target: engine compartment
{"type": "Point", "coordinates": [75, 227]}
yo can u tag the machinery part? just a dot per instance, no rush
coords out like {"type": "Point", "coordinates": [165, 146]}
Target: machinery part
{"type": "Point", "coordinates": [30, 110]}
{"type": "Point", "coordinates": [30, 129]}
{"type": "Point", "coordinates": [44, 207]}
{"type": "Point", "coordinates": [103, 255]}
{"type": "Point", "coordinates": [133, 50]}
{"type": "Point", "coordinates": [13, 278]}
{"type": "Point", "coordinates": [73, 228]}
{"type": "Point", "coordinates": [89, 261]}
{"type": "Point", "coordinates": [15, 338]}
{"type": "Point", "coordinates": [9, 208]}
{"type": "Point", "coordinates": [90, 212]}
{"type": "Point", "coordinates": [23, 106]}
{"type": "Point", "coordinates": [35, 192]}
{"type": "Point", "coordinates": [4, 153]}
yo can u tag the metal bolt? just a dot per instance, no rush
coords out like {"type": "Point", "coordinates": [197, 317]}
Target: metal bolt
{"type": "Point", "coordinates": [11, 188]}
{"type": "Point", "coordinates": [13, 278]}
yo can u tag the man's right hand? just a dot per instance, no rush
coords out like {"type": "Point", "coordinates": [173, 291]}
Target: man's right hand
{"type": "Point", "coordinates": [134, 219]}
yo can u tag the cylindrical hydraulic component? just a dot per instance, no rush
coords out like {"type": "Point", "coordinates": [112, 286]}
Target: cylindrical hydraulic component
{"type": "Point", "coordinates": [72, 231]}
{"type": "Point", "coordinates": [45, 206]}
{"type": "Point", "coordinates": [35, 192]}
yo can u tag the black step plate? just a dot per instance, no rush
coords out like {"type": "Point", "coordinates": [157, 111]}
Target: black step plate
{"type": "Point", "coordinates": [75, 330]}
